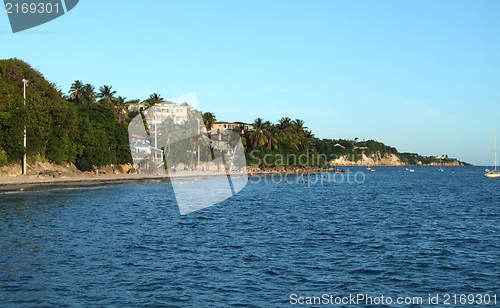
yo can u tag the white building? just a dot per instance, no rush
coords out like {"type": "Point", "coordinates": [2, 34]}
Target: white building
{"type": "Point", "coordinates": [165, 109]}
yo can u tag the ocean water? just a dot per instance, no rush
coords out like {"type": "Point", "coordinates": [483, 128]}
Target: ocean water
{"type": "Point", "coordinates": [394, 234]}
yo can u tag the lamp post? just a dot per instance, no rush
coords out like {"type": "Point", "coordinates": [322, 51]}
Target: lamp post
{"type": "Point", "coordinates": [24, 141]}
{"type": "Point", "coordinates": [198, 124]}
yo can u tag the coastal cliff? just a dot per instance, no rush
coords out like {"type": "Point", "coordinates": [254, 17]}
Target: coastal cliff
{"type": "Point", "coordinates": [391, 159]}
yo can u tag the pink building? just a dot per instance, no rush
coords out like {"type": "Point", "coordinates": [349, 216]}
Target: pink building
{"type": "Point", "coordinates": [221, 126]}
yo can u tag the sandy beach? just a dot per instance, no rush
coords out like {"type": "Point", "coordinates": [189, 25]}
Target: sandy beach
{"type": "Point", "coordinates": [13, 183]}
{"type": "Point", "coordinates": [23, 182]}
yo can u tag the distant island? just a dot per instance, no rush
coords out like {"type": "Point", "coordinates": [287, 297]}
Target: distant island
{"type": "Point", "coordinates": [88, 129]}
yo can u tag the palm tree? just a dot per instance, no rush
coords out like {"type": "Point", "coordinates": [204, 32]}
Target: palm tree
{"type": "Point", "coordinates": [286, 129]}
{"type": "Point", "coordinates": [209, 120]}
{"type": "Point", "coordinates": [284, 123]}
{"type": "Point", "coordinates": [106, 95]}
{"type": "Point", "coordinates": [121, 108]}
{"type": "Point", "coordinates": [272, 135]}
{"type": "Point", "coordinates": [258, 138]}
{"type": "Point", "coordinates": [299, 125]}
{"type": "Point", "coordinates": [76, 91]}
{"type": "Point", "coordinates": [88, 95]}
{"type": "Point", "coordinates": [153, 99]}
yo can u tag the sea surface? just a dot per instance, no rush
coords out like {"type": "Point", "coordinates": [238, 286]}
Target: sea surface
{"type": "Point", "coordinates": [390, 233]}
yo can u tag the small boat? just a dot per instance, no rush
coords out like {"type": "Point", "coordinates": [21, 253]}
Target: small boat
{"type": "Point", "coordinates": [494, 173]}
{"type": "Point", "coordinates": [411, 170]}
{"type": "Point", "coordinates": [441, 164]}
{"type": "Point", "coordinates": [369, 169]}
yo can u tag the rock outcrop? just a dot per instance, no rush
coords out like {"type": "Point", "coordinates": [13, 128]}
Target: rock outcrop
{"type": "Point", "coordinates": [65, 170]}
{"type": "Point", "coordinates": [386, 160]}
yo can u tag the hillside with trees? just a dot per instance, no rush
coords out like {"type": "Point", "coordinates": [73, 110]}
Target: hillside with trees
{"type": "Point", "coordinates": [89, 127]}
{"type": "Point", "coordinates": [280, 144]}
{"type": "Point", "coordinates": [83, 128]}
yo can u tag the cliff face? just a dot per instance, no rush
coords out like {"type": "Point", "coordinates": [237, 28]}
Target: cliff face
{"type": "Point", "coordinates": [386, 160]}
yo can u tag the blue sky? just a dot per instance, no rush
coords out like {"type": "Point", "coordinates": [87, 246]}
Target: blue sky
{"type": "Point", "coordinates": [421, 76]}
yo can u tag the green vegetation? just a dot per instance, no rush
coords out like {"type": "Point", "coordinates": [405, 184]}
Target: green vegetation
{"type": "Point", "coordinates": [353, 149]}
{"type": "Point", "coordinates": [89, 128]}
{"type": "Point", "coordinates": [287, 143]}
{"type": "Point", "coordinates": [416, 159]}
{"type": "Point", "coordinates": [59, 129]}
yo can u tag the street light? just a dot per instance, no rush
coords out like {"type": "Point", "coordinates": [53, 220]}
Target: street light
{"type": "Point", "coordinates": [24, 141]}
{"type": "Point", "coordinates": [198, 125]}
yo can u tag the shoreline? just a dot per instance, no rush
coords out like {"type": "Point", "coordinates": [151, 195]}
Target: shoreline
{"type": "Point", "coordinates": [21, 183]}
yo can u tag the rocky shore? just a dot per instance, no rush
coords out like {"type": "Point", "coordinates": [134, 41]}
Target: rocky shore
{"type": "Point", "coordinates": [290, 169]}
{"type": "Point", "coordinates": [65, 170]}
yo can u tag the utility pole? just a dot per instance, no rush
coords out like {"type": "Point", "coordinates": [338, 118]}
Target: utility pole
{"type": "Point", "coordinates": [156, 136]}
{"type": "Point", "coordinates": [198, 121]}
{"type": "Point", "coordinates": [25, 168]}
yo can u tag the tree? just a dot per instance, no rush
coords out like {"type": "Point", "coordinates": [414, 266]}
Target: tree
{"type": "Point", "coordinates": [88, 95]}
{"type": "Point", "coordinates": [153, 99]}
{"type": "Point", "coordinates": [76, 91]}
{"type": "Point", "coordinates": [299, 125]}
{"type": "Point", "coordinates": [272, 136]}
{"type": "Point", "coordinates": [106, 96]}
{"type": "Point", "coordinates": [121, 108]}
{"type": "Point", "coordinates": [258, 138]}
{"type": "Point", "coordinates": [209, 120]}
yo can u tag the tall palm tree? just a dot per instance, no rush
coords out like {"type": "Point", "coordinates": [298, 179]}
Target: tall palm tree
{"type": "Point", "coordinates": [284, 123]}
{"type": "Point", "coordinates": [209, 120]}
{"type": "Point", "coordinates": [106, 96]}
{"type": "Point", "coordinates": [88, 95]}
{"type": "Point", "coordinates": [258, 137]}
{"type": "Point", "coordinates": [153, 99]}
{"type": "Point", "coordinates": [286, 129]}
{"type": "Point", "coordinates": [272, 135]}
{"type": "Point", "coordinates": [121, 108]}
{"type": "Point", "coordinates": [76, 91]}
{"type": "Point", "coordinates": [299, 125]}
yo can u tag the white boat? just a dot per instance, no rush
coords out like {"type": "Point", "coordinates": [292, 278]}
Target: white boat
{"type": "Point", "coordinates": [441, 163]}
{"type": "Point", "coordinates": [494, 173]}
